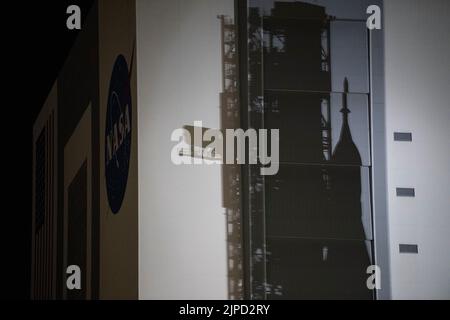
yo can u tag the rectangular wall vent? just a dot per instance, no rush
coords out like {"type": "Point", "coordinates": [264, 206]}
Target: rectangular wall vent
{"type": "Point", "coordinates": [403, 136]}
{"type": "Point", "coordinates": [406, 192]}
{"type": "Point", "coordinates": [409, 248]}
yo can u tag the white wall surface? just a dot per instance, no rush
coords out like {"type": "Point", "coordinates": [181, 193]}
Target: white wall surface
{"type": "Point", "coordinates": [182, 238]}
{"type": "Point", "coordinates": [417, 34]}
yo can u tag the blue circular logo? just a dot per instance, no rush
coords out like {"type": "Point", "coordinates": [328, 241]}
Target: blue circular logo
{"type": "Point", "coordinates": [118, 134]}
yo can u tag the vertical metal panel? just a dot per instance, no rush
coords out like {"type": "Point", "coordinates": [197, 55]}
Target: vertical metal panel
{"type": "Point", "coordinates": [43, 244]}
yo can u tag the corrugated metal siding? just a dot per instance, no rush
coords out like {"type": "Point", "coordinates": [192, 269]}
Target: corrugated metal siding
{"type": "Point", "coordinates": [43, 246]}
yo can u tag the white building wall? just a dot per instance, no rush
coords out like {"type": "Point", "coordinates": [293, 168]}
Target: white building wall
{"type": "Point", "coordinates": [179, 80]}
{"type": "Point", "coordinates": [182, 230]}
{"type": "Point", "coordinates": [417, 101]}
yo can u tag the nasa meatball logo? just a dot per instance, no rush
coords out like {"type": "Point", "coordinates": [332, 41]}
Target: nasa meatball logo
{"type": "Point", "coordinates": [118, 134]}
